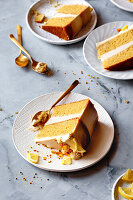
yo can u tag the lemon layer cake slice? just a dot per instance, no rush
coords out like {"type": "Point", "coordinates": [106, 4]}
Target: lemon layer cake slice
{"type": "Point", "coordinates": [116, 53]}
{"type": "Point", "coordinates": [65, 135]}
{"type": "Point", "coordinates": [84, 110]}
{"type": "Point", "coordinates": [68, 21]}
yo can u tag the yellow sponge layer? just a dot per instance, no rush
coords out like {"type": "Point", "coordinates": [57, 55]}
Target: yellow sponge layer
{"type": "Point", "coordinates": [61, 22]}
{"type": "Point", "coordinates": [71, 108]}
{"type": "Point", "coordinates": [60, 128]}
{"type": "Point", "coordinates": [115, 42]}
{"type": "Point", "coordinates": [72, 9]}
{"type": "Point", "coordinates": [118, 58]}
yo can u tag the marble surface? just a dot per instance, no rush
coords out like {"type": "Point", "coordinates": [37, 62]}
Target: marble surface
{"type": "Point", "coordinates": [18, 86]}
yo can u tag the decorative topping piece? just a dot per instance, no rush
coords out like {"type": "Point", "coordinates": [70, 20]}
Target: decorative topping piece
{"type": "Point", "coordinates": [32, 157]}
{"type": "Point", "coordinates": [66, 161]}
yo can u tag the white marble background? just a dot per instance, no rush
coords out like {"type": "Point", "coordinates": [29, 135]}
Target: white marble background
{"type": "Point", "coordinates": [18, 86]}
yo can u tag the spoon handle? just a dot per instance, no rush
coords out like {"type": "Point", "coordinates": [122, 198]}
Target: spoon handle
{"type": "Point", "coordinates": [19, 45]}
{"type": "Point", "coordinates": [74, 84]}
{"type": "Point", "coordinates": [19, 33]}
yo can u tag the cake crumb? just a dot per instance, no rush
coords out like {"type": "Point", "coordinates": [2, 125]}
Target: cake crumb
{"type": "Point", "coordinates": [0, 109]}
{"type": "Point", "coordinates": [86, 82]}
{"type": "Point", "coordinates": [88, 88]}
{"type": "Point", "coordinates": [30, 183]}
{"type": "Point", "coordinates": [44, 158]}
{"type": "Point", "coordinates": [81, 72]}
{"type": "Point", "coordinates": [118, 30]}
{"type": "Point", "coordinates": [16, 112]}
{"type": "Point", "coordinates": [24, 179]}
{"type": "Point", "coordinates": [11, 115]}
{"type": "Point", "coordinates": [49, 161]}
{"type": "Point", "coordinates": [126, 101]}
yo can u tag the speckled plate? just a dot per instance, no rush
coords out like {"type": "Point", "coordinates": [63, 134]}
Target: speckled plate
{"type": "Point", "coordinates": [90, 52]}
{"type": "Point", "coordinates": [123, 4]}
{"type": "Point", "coordinates": [115, 193]}
{"type": "Point", "coordinates": [23, 138]}
{"type": "Point", "coordinates": [45, 7]}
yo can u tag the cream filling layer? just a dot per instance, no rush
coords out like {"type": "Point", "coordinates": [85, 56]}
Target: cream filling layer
{"type": "Point", "coordinates": [115, 51]}
{"type": "Point", "coordinates": [121, 32]}
{"type": "Point", "coordinates": [63, 118]}
{"type": "Point", "coordinates": [62, 15]}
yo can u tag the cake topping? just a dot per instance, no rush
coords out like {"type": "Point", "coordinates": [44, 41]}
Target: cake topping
{"type": "Point", "coordinates": [66, 161]}
{"type": "Point", "coordinates": [33, 157]}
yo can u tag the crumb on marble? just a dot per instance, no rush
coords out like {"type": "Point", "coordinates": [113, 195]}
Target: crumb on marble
{"type": "Point", "coordinates": [0, 109]}
{"type": "Point", "coordinates": [11, 115]}
{"type": "Point", "coordinates": [81, 72]}
{"type": "Point", "coordinates": [16, 112]}
{"type": "Point", "coordinates": [126, 101]}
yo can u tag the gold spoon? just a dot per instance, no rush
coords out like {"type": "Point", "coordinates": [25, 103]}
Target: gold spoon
{"type": "Point", "coordinates": [41, 117]}
{"type": "Point", "coordinates": [38, 67]}
{"type": "Point", "coordinates": [21, 60]}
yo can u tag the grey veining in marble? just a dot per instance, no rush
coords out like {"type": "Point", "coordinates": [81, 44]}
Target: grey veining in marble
{"type": "Point", "coordinates": [18, 86]}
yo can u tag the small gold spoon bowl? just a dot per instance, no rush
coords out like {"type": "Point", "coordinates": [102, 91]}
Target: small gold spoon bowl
{"type": "Point", "coordinates": [21, 60]}
{"type": "Point", "coordinates": [38, 67]}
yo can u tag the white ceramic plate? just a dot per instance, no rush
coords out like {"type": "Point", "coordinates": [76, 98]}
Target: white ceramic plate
{"type": "Point", "coordinates": [115, 193]}
{"type": "Point", "coordinates": [123, 4]}
{"type": "Point", "coordinates": [23, 138]}
{"type": "Point", "coordinates": [90, 52]}
{"type": "Point", "coordinates": [45, 7]}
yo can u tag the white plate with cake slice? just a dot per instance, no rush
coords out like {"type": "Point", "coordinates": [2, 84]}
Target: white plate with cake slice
{"type": "Point", "coordinates": [48, 8]}
{"type": "Point", "coordinates": [90, 52]}
{"type": "Point", "coordinates": [124, 4]}
{"type": "Point", "coordinates": [24, 139]}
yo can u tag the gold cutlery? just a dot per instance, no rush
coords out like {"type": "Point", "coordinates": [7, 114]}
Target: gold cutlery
{"type": "Point", "coordinates": [38, 67]}
{"type": "Point", "coordinates": [21, 60]}
{"type": "Point", "coordinates": [41, 117]}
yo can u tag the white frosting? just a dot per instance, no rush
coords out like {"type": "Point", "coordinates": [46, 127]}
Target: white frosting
{"type": "Point", "coordinates": [62, 118]}
{"type": "Point", "coordinates": [58, 15]}
{"type": "Point", "coordinates": [115, 51]}
{"type": "Point", "coordinates": [121, 32]}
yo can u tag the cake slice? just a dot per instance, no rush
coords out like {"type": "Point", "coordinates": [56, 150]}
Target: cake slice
{"type": "Point", "coordinates": [116, 52]}
{"type": "Point", "coordinates": [70, 128]}
{"type": "Point", "coordinates": [71, 134]}
{"type": "Point", "coordinates": [68, 21]}
{"type": "Point", "coordinates": [84, 110]}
